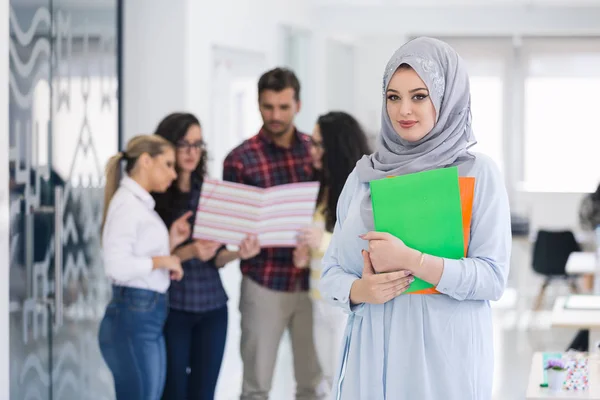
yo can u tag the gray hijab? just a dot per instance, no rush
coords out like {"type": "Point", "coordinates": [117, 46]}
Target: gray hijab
{"type": "Point", "coordinates": [445, 75]}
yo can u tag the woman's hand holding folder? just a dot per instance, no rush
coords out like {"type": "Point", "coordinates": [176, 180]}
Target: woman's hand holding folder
{"type": "Point", "coordinates": [375, 288]}
{"type": "Point", "coordinates": [388, 253]}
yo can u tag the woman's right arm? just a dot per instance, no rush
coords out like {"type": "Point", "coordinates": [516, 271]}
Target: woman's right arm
{"type": "Point", "coordinates": [204, 250]}
{"type": "Point", "coordinates": [348, 289]}
{"type": "Point", "coordinates": [336, 281]}
{"type": "Point", "coordinates": [118, 242]}
{"type": "Point", "coordinates": [185, 252]}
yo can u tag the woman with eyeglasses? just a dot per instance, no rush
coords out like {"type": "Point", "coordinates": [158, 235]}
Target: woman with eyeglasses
{"type": "Point", "coordinates": [196, 327]}
{"type": "Point", "coordinates": [337, 143]}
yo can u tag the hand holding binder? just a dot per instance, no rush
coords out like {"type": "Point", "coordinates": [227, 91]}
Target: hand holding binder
{"type": "Point", "coordinates": [429, 211]}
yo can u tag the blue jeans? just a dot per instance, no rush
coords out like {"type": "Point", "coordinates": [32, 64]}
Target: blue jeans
{"type": "Point", "coordinates": [132, 344]}
{"type": "Point", "coordinates": [195, 341]}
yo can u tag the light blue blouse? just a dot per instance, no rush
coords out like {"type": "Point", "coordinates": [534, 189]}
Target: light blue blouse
{"type": "Point", "coordinates": [425, 347]}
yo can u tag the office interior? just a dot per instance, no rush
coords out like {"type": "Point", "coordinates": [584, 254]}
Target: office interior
{"type": "Point", "coordinates": [84, 76]}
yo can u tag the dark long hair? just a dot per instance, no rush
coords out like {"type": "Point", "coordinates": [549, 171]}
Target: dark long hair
{"type": "Point", "coordinates": [174, 127]}
{"type": "Point", "coordinates": [344, 143]}
{"type": "Point", "coordinates": [589, 210]}
{"type": "Point", "coordinates": [596, 195]}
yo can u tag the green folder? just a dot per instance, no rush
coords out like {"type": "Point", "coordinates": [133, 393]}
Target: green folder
{"type": "Point", "coordinates": [424, 210]}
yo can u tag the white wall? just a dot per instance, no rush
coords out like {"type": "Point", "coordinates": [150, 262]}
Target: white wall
{"type": "Point", "coordinates": [250, 25]}
{"type": "Point", "coordinates": [372, 54]}
{"type": "Point", "coordinates": [4, 217]}
{"type": "Point", "coordinates": [168, 54]}
{"type": "Point", "coordinates": [341, 73]}
{"type": "Point", "coordinates": [154, 63]}
{"type": "Point", "coordinates": [168, 48]}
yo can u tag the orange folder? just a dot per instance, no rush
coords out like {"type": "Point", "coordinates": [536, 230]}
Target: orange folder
{"type": "Point", "coordinates": [467, 191]}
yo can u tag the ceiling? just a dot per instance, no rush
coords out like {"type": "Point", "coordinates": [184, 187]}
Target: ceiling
{"type": "Point", "coordinates": [459, 3]}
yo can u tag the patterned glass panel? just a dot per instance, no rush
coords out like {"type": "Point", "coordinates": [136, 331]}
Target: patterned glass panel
{"type": "Point", "coordinates": [63, 128]}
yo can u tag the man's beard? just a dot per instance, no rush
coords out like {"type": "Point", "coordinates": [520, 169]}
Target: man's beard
{"type": "Point", "coordinates": [279, 132]}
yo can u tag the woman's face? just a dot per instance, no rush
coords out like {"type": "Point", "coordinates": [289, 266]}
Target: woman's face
{"type": "Point", "coordinates": [161, 170]}
{"type": "Point", "coordinates": [316, 149]}
{"type": "Point", "coordinates": [409, 106]}
{"type": "Point", "coordinates": [189, 149]}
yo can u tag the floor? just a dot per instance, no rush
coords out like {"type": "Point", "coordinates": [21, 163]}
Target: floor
{"type": "Point", "coordinates": [519, 333]}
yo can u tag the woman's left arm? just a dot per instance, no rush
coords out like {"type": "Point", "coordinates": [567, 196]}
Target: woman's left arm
{"type": "Point", "coordinates": [482, 275]}
{"type": "Point", "coordinates": [249, 247]}
{"type": "Point", "coordinates": [225, 256]}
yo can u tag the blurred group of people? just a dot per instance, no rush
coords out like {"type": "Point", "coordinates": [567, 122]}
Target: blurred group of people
{"type": "Point", "coordinates": [184, 345]}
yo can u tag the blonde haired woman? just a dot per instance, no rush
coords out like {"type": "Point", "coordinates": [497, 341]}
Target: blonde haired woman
{"type": "Point", "coordinates": [137, 257]}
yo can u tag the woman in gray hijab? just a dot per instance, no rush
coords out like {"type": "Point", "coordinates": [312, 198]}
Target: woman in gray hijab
{"type": "Point", "coordinates": [425, 347]}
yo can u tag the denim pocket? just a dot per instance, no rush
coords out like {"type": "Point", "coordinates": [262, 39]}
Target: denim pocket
{"type": "Point", "coordinates": [141, 300]}
{"type": "Point", "coordinates": [109, 324]}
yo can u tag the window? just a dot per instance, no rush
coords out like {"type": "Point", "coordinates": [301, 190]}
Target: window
{"type": "Point", "coordinates": [234, 108]}
{"type": "Point", "coordinates": [486, 106]}
{"type": "Point", "coordinates": [562, 135]}
{"type": "Point", "coordinates": [84, 132]}
{"type": "Point", "coordinates": [486, 61]}
{"type": "Point", "coordinates": [340, 76]}
{"type": "Point", "coordinates": [296, 54]}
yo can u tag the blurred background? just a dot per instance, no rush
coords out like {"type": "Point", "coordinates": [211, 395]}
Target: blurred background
{"type": "Point", "coordinates": [84, 76]}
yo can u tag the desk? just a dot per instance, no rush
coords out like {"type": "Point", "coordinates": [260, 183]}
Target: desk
{"type": "Point", "coordinates": [581, 263]}
{"type": "Point", "coordinates": [535, 392]}
{"type": "Point", "coordinates": [578, 319]}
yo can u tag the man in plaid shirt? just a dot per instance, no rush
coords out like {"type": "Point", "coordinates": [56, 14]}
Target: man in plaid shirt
{"type": "Point", "coordinates": [274, 294]}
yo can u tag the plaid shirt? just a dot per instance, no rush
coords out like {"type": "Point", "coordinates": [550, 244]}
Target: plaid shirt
{"type": "Point", "coordinates": [201, 289]}
{"type": "Point", "coordinates": [260, 162]}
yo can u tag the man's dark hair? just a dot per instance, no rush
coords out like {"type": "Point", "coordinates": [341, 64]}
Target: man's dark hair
{"type": "Point", "coordinates": [279, 79]}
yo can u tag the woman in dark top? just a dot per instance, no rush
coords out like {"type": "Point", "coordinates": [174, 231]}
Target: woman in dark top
{"type": "Point", "coordinates": [196, 327]}
{"type": "Point", "coordinates": [589, 219]}
{"type": "Point", "coordinates": [589, 211]}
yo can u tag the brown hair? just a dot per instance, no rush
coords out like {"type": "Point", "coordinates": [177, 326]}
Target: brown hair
{"type": "Point", "coordinates": [279, 79]}
{"type": "Point", "coordinates": [153, 145]}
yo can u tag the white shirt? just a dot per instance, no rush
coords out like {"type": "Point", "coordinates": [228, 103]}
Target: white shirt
{"type": "Point", "coordinates": [133, 234]}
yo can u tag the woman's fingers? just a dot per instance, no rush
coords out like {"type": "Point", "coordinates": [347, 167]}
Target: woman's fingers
{"type": "Point", "coordinates": [395, 291]}
{"type": "Point", "coordinates": [391, 277]}
{"type": "Point", "coordinates": [398, 286]}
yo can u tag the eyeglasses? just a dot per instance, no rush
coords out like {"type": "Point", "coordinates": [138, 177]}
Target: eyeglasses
{"type": "Point", "coordinates": [186, 146]}
{"type": "Point", "coordinates": [314, 143]}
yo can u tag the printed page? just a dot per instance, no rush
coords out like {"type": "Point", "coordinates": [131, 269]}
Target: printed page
{"type": "Point", "coordinates": [228, 212]}
{"type": "Point", "coordinates": [286, 209]}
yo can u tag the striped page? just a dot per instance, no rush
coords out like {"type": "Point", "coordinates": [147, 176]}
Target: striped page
{"type": "Point", "coordinates": [228, 212]}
